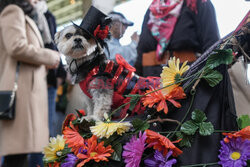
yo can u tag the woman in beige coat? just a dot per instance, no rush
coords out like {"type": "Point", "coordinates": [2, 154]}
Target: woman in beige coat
{"type": "Point", "coordinates": [20, 40]}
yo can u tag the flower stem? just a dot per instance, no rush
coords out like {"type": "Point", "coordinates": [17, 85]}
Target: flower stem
{"type": "Point", "coordinates": [223, 131]}
{"type": "Point", "coordinates": [184, 79]}
{"type": "Point", "coordinates": [114, 111]}
{"type": "Point", "coordinates": [198, 73]}
{"type": "Point", "coordinates": [203, 165]}
{"type": "Point", "coordinates": [215, 131]}
{"type": "Point", "coordinates": [192, 100]}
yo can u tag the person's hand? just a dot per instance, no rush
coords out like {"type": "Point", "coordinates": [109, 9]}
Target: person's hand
{"type": "Point", "coordinates": [135, 37]}
{"type": "Point", "coordinates": [57, 61]}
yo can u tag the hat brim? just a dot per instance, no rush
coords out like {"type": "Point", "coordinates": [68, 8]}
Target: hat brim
{"type": "Point", "coordinates": [89, 34]}
{"type": "Point", "coordinates": [86, 31]}
{"type": "Point", "coordinates": [127, 23]}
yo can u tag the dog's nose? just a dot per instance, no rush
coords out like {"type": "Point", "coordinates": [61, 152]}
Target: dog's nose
{"type": "Point", "coordinates": [78, 40]}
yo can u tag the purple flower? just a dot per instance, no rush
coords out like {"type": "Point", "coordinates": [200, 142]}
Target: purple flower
{"type": "Point", "coordinates": [235, 153]}
{"type": "Point", "coordinates": [158, 160]}
{"type": "Point", "coordinates": [70, 161]}
{"type": "Point", "coordinates": [133, 150]}
{"type": "Point", "coordinates": [82, 151]}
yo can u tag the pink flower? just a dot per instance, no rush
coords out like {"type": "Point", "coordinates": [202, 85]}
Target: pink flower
{"type": "Point", "coordinates": [133, 150]}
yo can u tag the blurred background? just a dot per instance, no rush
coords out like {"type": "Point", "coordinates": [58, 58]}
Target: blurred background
{"type": "Point", "coordinates": [229, 13]}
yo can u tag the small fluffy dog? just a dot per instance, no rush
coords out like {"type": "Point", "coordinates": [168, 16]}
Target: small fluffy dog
{"type": "Point", "coordinates": [102, 80]}
{"type": "Point", "coordinates": [80, 51]}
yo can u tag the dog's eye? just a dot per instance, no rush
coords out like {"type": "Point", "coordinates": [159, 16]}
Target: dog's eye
{"type": "Point", "coordinates": [68, 35]}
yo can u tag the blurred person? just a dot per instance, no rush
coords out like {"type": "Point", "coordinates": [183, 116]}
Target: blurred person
{"type": "Point", "coordinates": [46, 23]}
{"type": "Point", "coordinates": [55, 77]}
{"type": "Point", "coordinates": [239, 70]}
{"type": "Point", "coordinates": [118, 27]}
{"type": "Point", "coordinates": [21, 41]}
{"type": "Point", "coordinates": [184, 29]}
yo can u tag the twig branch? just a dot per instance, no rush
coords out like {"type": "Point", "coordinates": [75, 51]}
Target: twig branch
{"type": "Point", "coordinates": [158, 119]}
{"type": "Point", "coordinates": [243, 52]}
{"type": "Point", "coordinates": [197, 81]}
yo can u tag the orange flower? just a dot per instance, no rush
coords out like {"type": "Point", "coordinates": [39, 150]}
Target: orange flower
{"type": "Point", "coordinates": [158, 97]}
{"type": "Point", "coordinates": [73, 138]}
{"type": "Point", "coordinates": [243, 133]}
{"type": "Point", "coordinates": [161, 143]}
{"type": "Point", "coordinates": [55, 164]}
{"type": "Point", "coordinates": [95, 151]}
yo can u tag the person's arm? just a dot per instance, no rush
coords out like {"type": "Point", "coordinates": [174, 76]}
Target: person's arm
{"type": "Point", "coordinates": [15, 39]}
{"type": "Point", "coordinates": [130, 52]}
{"type": "Point", "coordinates": [206, 24]}
{"type": "Point", "coordinates": [127, 51]}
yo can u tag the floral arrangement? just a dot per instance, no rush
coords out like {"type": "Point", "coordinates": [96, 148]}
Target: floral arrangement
{"type": "Point", "coordinates": [133, 144]}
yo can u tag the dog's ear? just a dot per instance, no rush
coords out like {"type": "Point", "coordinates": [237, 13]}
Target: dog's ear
{"type": "Point", "coordinates": [57, 36]}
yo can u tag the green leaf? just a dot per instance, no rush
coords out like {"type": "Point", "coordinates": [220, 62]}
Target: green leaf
{"type": "Point", "coordinates": [213, 77]}
{"type": "Point", "coordinates": [206, 128]}
{"type": "Point", "coordinates": [220, 57]}
{"type": "Point", "coordinates": [248, 162]}
{"type": "Point", "coordinates": [243, 121]}
{"type": "Point", "coordinates": [198, 116]}
{"type": "Point", "coordinates": [186, 140]}
{"type": "Point", "coordinates": [140, 125]}
{"type": "Point", "coordinates": [133, 101]}
{"type": "Point", "coordinates": [189, 128]}
{"type": "Point", "coordinates": [112, 138]}
{"type": "Point", "coordinates": [116, 155]}
{"type": "Point", "coordinates": [132, 95]}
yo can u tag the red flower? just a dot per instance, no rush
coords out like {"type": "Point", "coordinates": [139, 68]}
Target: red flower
{"type": "Point", "coordinates": [243, 133]}
{"type": "Point", "coordinates": [158, 97]}
{"type": "Point", "coordinates": [161, 143]}
{"type": "Point", "coordinates": [68, 119]}
{"type": "Point", "coordinates": [74, 140]}
{"type": "Point", "coordinates": [102, 34]}
{"type": "Point", "coordinates": [95, 151]}
{"type": "Point", "coordinates": [82, 113]}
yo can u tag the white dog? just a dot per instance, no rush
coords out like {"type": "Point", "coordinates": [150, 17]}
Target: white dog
{"type": "Point", "coordinates": [82, 54]}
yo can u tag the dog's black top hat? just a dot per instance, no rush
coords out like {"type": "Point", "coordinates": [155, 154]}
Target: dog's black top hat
{"type": "Point", "coordinates": [95, 23]}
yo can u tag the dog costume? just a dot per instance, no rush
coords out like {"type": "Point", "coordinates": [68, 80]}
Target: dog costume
{"type": "Point", "coordinates": [117, 75]}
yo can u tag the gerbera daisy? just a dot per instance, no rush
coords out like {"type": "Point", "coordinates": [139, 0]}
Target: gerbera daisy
{"type": "Point", "coordinates": [95, 151]}
{"type": "Point", "coordinates": [133, 150]}
{"type": "Point", "coordinates": [159, 160]}
{"type": "Point", "coordinates": [235, 153]}
{"type": "Point", "coordinates": [54, 149]}
{"type": "Point", "coordinates": [161, 143]}
{"type": "Point", "coordinates": [172, 74]}
{"type": "Point", "coordinates": [158, 97]}
{"type": "Point", "coordinates": [243, 133]}
{"type": "Point", "coordinates": [106, 129]}
{"type": "Point", "coordinates": [55, 164]}
{"type": "Point", "coordinates": [70, 161]}
{"type": "Point", "coordinates": [73, 138]}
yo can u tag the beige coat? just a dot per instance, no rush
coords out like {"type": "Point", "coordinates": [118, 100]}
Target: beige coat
{"type": "Point", "coordinates": [241, 89]}
{"type": "Point", "coordinates": [20, 40]}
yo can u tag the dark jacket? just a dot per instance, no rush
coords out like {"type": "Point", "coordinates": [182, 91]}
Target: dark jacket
{"type": "Point", "coordinates": [60, 71]}
{"type": "Point", "coordinates": [193, 31]}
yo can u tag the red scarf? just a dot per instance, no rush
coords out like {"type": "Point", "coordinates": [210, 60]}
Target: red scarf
{"type": "Point", "coordinates": [162, 19]}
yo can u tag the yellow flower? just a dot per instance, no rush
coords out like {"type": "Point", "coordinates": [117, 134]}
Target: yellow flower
{"type": "Point", "coordinates": [53, 150]}
{"type": "Point", "coordinates": [172, 74]}
{"type": "Point", "coordinates": [106, 129]}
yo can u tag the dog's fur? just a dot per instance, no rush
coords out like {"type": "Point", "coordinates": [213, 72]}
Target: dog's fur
{"type": "Point", "coordinates": [82, 54]}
